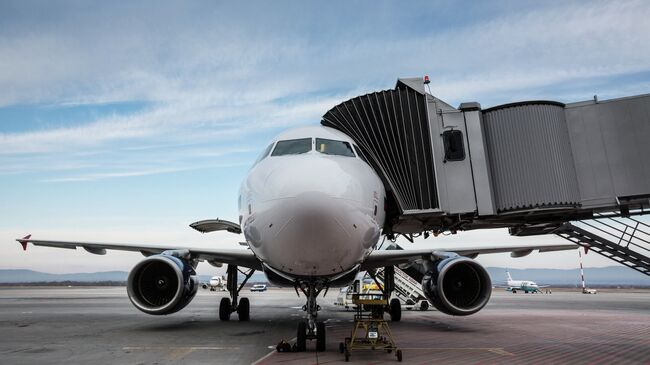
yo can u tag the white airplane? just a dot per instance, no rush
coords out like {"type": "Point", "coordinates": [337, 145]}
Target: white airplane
{"type": "Point", "coordinates": [526, 286]}
{"type": "Point", "coordinates": [215, 282]}
{"type": "Point", "coordinates": [312, 211]}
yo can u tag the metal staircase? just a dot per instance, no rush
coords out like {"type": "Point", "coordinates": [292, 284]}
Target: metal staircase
{"type": "Point", "coordinates": [407, 289]}
{"type": "Point", "coordinates": [624, 240]}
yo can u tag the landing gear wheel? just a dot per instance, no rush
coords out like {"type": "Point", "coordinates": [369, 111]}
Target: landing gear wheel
{"type": "Point", "coordinates": [514, 291]}
{"type": "Point", "coordinates": [320, 336]}
{"type": "Point", "coordinates": [224, 309]}
{"type": "Point", "coordinates": [399, 355]}
{"type": "Point", "coordinates": [347, 355]}
{"type": "Point", "coordinates": [395, 310]}
{"type": "Point", "coordinates": [341, 347]}
{"type": "Point", "coordinates": [243, 309]}
{"type": "Point", "coordinates": [301, 337]}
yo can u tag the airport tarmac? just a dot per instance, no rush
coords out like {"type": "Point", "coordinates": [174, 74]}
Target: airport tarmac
{"type": "Point", "coordinates": [100, 326]}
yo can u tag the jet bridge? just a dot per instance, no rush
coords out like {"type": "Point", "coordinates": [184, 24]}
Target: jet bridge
{"type": "Point", "coordinates": [530, 166]}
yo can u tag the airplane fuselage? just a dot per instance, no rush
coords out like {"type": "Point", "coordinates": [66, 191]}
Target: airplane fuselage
{"type": "Point", "coordinates": [523, 285]}
{"type": "Point", "coordinates": [311, 207]}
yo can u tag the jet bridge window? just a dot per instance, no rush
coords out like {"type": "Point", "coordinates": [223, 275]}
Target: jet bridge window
{"type": "Point", "coordinates": [454, 148]}
{"type": "Point", "coordinates": [292, 147]}
{"type": "Point", "coordinates": [332, 147]}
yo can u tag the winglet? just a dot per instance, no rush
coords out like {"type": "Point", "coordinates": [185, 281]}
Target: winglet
{"type": "Point", "coordinates": [23, 241]}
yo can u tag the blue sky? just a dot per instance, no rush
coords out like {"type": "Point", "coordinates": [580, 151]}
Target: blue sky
{"type": "Point", "coordinates": [126, 122]}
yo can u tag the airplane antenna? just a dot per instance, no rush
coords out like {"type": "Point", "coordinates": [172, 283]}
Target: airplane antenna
{"type": "Point", "coordinates": [582, 272]}
{"type": "Point", "coordinates": [427, 83]}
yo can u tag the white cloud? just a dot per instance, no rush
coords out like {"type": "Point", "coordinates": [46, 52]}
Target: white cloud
{"type": "Point", "coordinates": [200, 55]}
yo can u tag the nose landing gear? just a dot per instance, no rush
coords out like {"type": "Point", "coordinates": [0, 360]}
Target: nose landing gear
{"type": "Point", "coordinates": [232, 304]}
{"type": "Point", "coordinates": [311, 330]}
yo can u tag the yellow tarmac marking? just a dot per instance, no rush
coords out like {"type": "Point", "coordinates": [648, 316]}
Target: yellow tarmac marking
{"type": "Point", "coordinates": [501, 351]}
{"type": "Point", "coordinates": [179, 353]}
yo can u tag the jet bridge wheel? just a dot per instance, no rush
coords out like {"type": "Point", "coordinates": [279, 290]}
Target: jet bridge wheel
{"type": "Point", "coordinates": [225, 309]}
{"type": "Point", "coordinates": [243, 309]}
{"type": "Point", "coordinates": [395, 310]}
{"type": "Point", "coordinates": [301, 337]}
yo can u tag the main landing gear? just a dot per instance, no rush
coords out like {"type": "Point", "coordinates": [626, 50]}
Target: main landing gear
{"type": "Point", "coordinates": [231, 305]}
{"type": "Point", "coordinates": [311, 330]}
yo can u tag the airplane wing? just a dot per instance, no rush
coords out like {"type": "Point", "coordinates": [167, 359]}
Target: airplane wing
{"type": "Point", "coordinates": [396, 257]}
{"type": "Point", "coordinates": [244, 258]}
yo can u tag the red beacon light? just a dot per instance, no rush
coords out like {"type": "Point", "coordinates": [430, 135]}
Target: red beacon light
{"type": "Point", "coordinates": [426, 79]}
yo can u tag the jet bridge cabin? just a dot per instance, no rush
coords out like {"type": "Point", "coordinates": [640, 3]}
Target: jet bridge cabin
{"type": "Point", "coordinates": [516, 165]}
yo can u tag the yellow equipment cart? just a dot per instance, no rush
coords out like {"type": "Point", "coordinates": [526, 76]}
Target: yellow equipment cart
{"type": "Point", "coordinates": [371, 331]}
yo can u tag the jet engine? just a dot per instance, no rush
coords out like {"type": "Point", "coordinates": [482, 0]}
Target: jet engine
{"type": "Point", "coordinates": [457, 285]}
{"type": "Point", "coordinates": [162, 284]}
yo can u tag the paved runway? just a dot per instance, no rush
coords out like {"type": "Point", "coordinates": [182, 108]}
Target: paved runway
{"type": "Point", "coordinates": [100, 326]}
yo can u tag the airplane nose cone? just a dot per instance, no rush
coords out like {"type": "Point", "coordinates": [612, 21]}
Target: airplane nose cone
{"type": "Point", "coordinates": [316, 215]}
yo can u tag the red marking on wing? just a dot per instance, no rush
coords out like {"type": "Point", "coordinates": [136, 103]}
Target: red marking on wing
{"type": "Point", "coordinates": [24, 241]}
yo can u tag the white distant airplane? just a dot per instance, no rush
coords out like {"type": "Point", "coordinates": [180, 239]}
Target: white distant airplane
{"type": "Point", "coordinates": [311, 210]}
{"type": "Point", "coordinates": [526, 286]}
{"type": "Point", "coordinates": [215, 282]}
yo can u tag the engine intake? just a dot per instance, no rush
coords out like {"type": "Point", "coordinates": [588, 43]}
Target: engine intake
{"type": "Point", "coordinates": [162, 284]}
{"type": "Point", "coordinates": [457, 285]}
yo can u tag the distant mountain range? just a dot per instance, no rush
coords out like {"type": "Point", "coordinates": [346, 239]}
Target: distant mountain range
{"type": "Point", "coordinates": [601, 276]}
{"type": "Point", "coordinates": [30, 276]}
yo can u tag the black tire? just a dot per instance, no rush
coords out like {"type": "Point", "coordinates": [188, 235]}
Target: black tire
{"type": "Point", "coordinates": [244, 309]}
{"type": "Point", "coordinates": [395, 310]}
{"type": "Point", "coordinates": [320, 336]}
{"type": "Point", "coordinates": [399, 355]}
{"type": "Point", "coordinates": [347, 355]}
{"type": "Point", "coordinates": [341, 347]}
{"type": "Point", "coordinates": [301, 337]}
{"type": "Point", "coordinates": [424, 305]}
{"type": "Point", "coordinates": [514, 291]}
{"type": "Point", "coordinates": [224, 309]}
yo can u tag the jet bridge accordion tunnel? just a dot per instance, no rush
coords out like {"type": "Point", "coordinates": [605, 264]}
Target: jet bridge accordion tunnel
{"type": "Point", "coordinates": [521, 165]}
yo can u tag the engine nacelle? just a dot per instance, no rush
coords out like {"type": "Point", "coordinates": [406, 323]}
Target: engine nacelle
{"type": "Point", "coordinates": [457, 285]}
{"type": "Point", "coordinates": [162, 284]}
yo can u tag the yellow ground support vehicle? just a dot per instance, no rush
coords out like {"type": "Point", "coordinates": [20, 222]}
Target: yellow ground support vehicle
{"type": "Point", "coordinates": [371, 331]}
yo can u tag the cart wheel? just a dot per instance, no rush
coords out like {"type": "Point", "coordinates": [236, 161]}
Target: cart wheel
{"type": "Point", "coordinates": [424, 305]}
{"type": "Point", "coordinates": [347, 355]}
{"type": "Point", "coordinates": [399, 355]}
{"type": "Point", "coordinates": [341, 347]}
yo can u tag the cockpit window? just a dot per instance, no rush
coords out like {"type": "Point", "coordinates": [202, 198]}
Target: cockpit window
{"type": "Point", "coordinates": [292, 147]}
{"type": "Point", "coordinates": [332, 147]}
{"type": "Point", "coordinates": [264, 154]}
{"type": "Point", "coordinates": [361, 154]}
